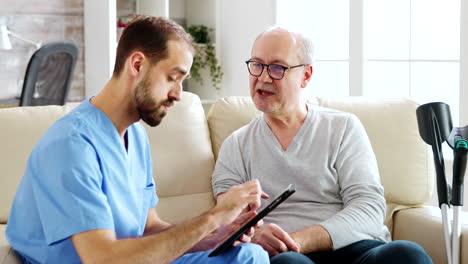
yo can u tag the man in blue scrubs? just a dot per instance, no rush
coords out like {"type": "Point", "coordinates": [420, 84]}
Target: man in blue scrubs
{"type": "Point", "coordinates": [88, 193]}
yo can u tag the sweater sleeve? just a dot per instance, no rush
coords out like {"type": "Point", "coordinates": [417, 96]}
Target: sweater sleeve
{"type": "Point", "coordinates": [230, 169]}
{"type": "Point", "coordinates": [362, 194]}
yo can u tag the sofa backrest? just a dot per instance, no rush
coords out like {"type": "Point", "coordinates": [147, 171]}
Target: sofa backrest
{"type": "Point", "coordinates": [404, 159]}
{"type": "Point", "coordinates": [182, 161]}
{"type": "Point", "coordinates": [181, 151]}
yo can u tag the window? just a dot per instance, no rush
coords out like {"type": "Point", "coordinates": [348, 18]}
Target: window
{"type": "Point", "coordinates": [412, 49]}
{"type": "Point", "coordinates": [326, 23]}
{"type": "Point", "coordinates": [383, 48]}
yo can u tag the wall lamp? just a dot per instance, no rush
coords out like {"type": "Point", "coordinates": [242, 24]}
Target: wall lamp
{"type": "Point", "coordinates": [5, 42]}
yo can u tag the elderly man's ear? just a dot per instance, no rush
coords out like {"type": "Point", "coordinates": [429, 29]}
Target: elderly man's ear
{"type": "Point", "coordinates": [307, 75]}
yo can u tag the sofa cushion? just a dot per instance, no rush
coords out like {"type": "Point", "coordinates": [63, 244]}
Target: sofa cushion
{"type": "Point", "coordinates": [423, 225]}
{"type": "Point", "coordinates": [3, 240]}
{"type": "Point", "coordinates": [182, 161]}
{"type": "Point", "coordinates": [22, 127]}
{"type": "Point", "coordinates": [8, 255]}
{"type": "Point", "coordinates": [404, 159]}
{"type": "Point", "coordinates": [226, 116]}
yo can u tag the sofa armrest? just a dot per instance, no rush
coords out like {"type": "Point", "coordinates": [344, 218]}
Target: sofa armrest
{"type": "Point", "coordinates": [423, 225]}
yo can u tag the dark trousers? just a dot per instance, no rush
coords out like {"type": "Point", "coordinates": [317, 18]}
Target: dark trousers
{"type": "Point", "coordinates": [361, 252]}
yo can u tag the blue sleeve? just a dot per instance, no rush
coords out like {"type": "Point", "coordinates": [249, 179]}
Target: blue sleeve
{"type": "Point", "coordinates": [68, 189]}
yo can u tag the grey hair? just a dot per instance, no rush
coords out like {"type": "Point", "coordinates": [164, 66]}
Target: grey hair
{"type": "Point", "coordinates": [306, 47]}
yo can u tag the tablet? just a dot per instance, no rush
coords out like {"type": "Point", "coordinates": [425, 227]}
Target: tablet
{"type": "Point", "coordinates": [226, 244]}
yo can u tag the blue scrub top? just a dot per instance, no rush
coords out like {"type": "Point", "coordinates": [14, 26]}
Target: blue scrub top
{"type": "Point", "coordinates": [80, 177]}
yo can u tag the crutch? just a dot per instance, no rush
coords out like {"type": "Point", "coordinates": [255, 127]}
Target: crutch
{"type": "Point", "coordinates": [435, 124]}
{"type": "Point", "coordinates": [459, 144]}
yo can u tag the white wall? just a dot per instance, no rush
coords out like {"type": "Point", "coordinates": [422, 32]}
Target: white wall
{"type": "Point", "coordinates": [100, 43]}
{"type": "Point", "coordinates": [158, 8]}
{"type": "Point", "coordinates": [201, 12]}
{"type": "Point", "coordinates": [177, 9]}
{"type": "Point", "coordinates": [239, 23]}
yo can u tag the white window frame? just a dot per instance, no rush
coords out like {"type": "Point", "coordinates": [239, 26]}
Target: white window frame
{"type": "Point", "coordinates": [356, 55]}
{"type": "Point", "coordinates": [463, 99]}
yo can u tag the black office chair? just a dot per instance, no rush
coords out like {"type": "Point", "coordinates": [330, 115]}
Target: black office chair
{"type": "Point", "coordinates": [49, 74]}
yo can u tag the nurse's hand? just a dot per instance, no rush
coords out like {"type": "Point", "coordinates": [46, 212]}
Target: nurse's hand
{"type": "Point", "coordinates": [228, 230]}
{"type": "Point", "coordinates": [240, 198]}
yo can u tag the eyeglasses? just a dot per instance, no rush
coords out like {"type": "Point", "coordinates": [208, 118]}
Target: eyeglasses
{"type": "Point", "coordinates": [275, 71]}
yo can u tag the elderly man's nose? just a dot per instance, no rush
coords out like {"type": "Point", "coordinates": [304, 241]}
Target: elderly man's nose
{"type": "Point", "coordinates": [265, 77]}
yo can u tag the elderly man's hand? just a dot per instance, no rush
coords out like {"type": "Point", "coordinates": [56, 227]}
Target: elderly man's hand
{"type": "Point", "coordinates": [239, 199]}
{"type": "Point", "coordinates": [275, 240]}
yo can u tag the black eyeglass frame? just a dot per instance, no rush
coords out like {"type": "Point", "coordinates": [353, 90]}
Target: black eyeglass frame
{"type": "Point", "coordinates": [268, 68]}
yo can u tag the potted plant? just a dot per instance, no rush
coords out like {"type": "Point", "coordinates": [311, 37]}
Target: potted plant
{"type": "Point", "coordinates": [205, 56]}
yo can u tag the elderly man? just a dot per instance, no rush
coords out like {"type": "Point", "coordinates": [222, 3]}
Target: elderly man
{"type": "Point", "coordinates": [88, 193]}
{"type": "Point", "coordinates": [337, 213]}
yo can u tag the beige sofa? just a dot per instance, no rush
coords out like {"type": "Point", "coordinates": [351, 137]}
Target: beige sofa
{"type": "Point", "coordinates": [185, 145]}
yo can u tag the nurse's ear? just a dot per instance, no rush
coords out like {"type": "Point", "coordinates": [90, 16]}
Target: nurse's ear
{"type": "Point", "coordinates": [134, 64]}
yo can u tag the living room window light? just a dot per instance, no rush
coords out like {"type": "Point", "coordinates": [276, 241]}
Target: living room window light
{"type": "Point", "coordinates": [383, 48]}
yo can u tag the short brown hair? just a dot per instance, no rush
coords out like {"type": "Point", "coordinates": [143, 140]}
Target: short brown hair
{"type": "Point", "coordinates": [149, 35]}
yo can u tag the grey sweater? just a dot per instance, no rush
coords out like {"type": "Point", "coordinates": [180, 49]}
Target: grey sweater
{"type": "Point", "coordinates": [332, 165]}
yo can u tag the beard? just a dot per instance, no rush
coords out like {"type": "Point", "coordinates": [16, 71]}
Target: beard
{"type": "Point", "coordinates": [149, 110]}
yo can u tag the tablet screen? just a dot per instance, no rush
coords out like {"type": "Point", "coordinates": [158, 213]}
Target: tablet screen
{"type": "Point", "coordinates": [226, 244]}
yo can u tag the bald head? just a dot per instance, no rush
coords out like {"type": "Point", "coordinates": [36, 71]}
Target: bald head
{"type": "Point", "coordinates": [302, 47]}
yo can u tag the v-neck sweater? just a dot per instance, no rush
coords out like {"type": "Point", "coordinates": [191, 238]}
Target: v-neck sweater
{"type": "Point", "coordinates": [332, 165]}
